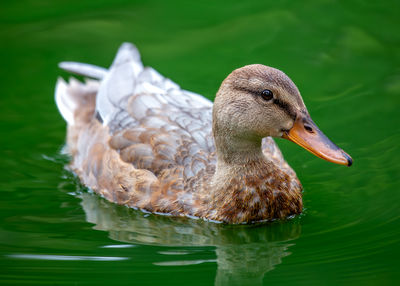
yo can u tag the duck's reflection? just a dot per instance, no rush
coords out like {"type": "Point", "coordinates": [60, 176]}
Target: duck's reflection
{"type": "Point", "coordinates": [244, 253]}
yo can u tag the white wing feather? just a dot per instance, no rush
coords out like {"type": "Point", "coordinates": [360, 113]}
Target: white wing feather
{"type": "Point", "coordinates": [125, 78]}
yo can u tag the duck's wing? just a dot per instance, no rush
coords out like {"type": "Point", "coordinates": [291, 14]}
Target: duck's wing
{"type": "Point", "coordinates": [126, 77]}
{"type": "Point", "coordinates": [152, 123]}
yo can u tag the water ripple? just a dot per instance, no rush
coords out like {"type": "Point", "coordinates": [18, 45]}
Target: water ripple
{"type": "Point", "coordinates": [119, 246]}
{"type": "Point", "coordinates": [66, 257]}
{"type": "Point", "coordinates": [183, 262]}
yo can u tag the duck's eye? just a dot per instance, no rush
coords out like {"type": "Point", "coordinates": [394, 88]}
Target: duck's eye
{"type": "Point", "coordinates": [267, 95]}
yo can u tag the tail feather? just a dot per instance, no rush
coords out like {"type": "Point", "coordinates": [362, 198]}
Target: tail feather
{"type": "Point", "coordinates": [66, 105]}
{"type": "Point", "coordinates": [108, 90]}
{"type": "Point", "coordinates": [87, 70]}
{"type": "Point", "coordinates": [75, 95]}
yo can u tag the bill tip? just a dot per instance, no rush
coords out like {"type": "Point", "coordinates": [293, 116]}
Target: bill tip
{"type": "Point", "coordinates": [349, 160]}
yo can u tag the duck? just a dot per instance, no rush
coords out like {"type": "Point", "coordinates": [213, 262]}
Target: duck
{"type": "Point", "coordinates": [138, 139]}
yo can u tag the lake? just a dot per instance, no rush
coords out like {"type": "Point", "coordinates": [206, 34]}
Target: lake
{"type": "Point", "coordinates": [343, 55]}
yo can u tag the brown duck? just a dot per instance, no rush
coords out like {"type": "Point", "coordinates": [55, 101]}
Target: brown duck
{"type": "Point", "coordinates": [138, 139]}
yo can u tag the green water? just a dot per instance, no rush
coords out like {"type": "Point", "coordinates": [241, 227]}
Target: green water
{"type": "Point", "coordinates": [343, 55]}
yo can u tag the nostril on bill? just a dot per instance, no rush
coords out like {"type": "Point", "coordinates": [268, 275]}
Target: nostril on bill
{"type": "Point", "coordinates": [308, 128]}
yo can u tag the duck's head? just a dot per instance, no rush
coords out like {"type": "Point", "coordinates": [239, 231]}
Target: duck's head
{"type": "Point", "coordinates": [257, 101]}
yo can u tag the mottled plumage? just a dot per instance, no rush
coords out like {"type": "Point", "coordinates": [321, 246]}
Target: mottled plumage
{"type": "Point", "coordinates": [139, 140]}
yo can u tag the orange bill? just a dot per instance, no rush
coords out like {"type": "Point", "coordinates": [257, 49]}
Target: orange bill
{"type": "Point", "coordinates": [306, 134]}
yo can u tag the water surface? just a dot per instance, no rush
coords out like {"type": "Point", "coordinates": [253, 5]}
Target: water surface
{"type": "Point", "coordinates": [343, 55]}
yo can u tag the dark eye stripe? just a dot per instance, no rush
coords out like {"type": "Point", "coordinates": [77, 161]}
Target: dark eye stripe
{"type": "Point", "coordinates": [280, 103]}
{"type": "Point", "coordinates": [285, 107]}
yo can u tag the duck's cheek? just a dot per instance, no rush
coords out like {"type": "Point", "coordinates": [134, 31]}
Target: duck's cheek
{"type": "Point", "coordinates": [280, 129]}
{"type": "Point", "coordinates": [287, 124]}
{"type": "Point", "coordinates": [282, 126]}
{"type": "Point", "coordinates": [275, 132]}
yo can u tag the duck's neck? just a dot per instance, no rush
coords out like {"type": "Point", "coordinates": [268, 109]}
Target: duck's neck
{"type": "Point", "coordinates": [237, 157]}
{"type": "Point", "coordinates": [238, 151]}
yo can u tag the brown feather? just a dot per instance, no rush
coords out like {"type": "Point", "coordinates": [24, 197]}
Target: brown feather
{"type": "Point", "coordinates": [161, 161]}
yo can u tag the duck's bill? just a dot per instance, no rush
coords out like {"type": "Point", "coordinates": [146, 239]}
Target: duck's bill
{"type": "Point", "coordinates": [306, 134]}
